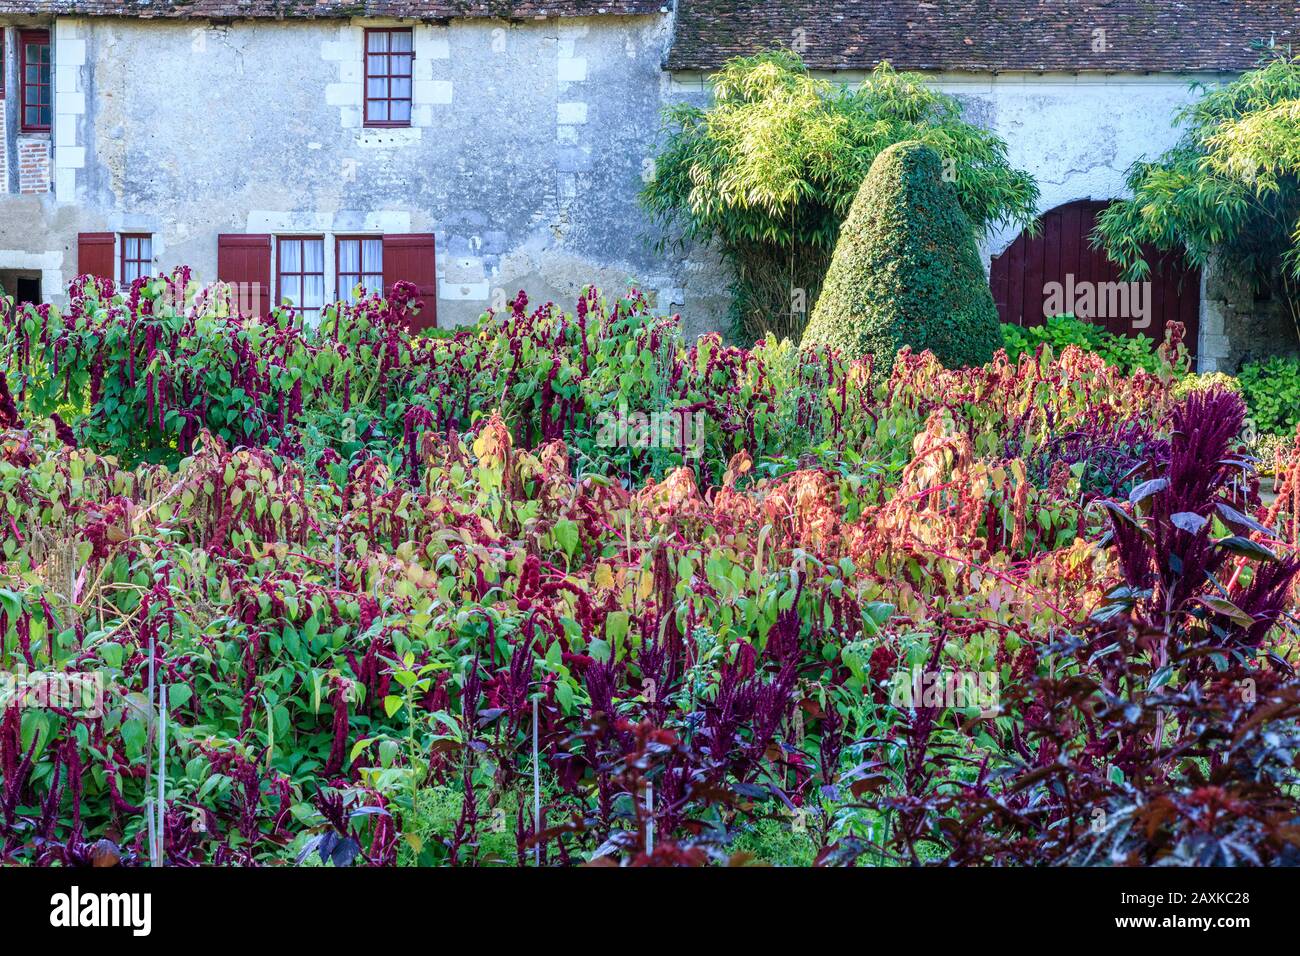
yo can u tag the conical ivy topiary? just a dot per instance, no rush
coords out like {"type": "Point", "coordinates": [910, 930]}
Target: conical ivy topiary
{"type": "Point", "coordinates": [906, 270]}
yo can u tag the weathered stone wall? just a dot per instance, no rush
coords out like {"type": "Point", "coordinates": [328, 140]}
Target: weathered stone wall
{"type": "Point", "coordinates": [526, 152]}
{"type": "Point", "coordinates": [1239, 325]}
{"type": "Point", "coordinates": [4, 153]}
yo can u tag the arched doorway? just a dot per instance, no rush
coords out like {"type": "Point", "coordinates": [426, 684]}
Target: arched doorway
{"type": "Point", "coordinates": [1059, 271]}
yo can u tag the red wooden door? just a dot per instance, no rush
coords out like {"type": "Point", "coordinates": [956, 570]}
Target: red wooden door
{"type": "Point", "coordinates": [1058, 271]}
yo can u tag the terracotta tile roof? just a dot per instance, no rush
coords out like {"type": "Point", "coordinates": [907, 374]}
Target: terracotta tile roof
{"type": "Point", "coordinates": [329, 9]}
{"type": "Point", "coordinates": [989, 35]}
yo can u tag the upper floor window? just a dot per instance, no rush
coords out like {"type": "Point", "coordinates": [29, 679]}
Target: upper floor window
{"type": "Point", "coordinates": [301, 272]}
{"type": "Point", "coordinates": [360, 262]}
{"type": "Point", "coordinates": [389, 54]}
{"type": "Point", "coordinates": [34, 80]}
{"type": "Point", "coordinates": [137, 257]}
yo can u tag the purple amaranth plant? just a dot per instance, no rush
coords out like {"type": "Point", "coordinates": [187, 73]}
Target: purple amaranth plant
{"type": "Point", "coordinates": [338, 748]}
{"type": "Point", "coordinates": [1108, 452]}
{"type": "Point", "coordinates": [1173, 567]}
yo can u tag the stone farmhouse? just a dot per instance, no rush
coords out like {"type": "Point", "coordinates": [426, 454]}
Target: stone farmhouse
{"type": "Point", "coordinates": [476, 147]}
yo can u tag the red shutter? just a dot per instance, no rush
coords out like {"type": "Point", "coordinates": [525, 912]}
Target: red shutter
{"type": "Point", "coordinates": [245, 262]}
{"type": "Point", "coordinates": [95, 254]}
{"type": "Point", "coordinates": [411, 259]}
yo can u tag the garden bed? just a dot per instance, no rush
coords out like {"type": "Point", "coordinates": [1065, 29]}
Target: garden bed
{"type": "Point", "coordinates": [358, 597]}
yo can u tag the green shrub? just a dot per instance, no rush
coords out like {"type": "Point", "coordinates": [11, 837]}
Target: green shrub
{"type": "Point", "coordinates": [1272, 390]}
{"type": "Point", "coordinates": [768, 170]}
{"type": "Point", "coordinates": [906, 270]}
{"type": "Point", "coordinates": [1203, 382]}
{"type": "Point", "coordinates": [1129, 354]}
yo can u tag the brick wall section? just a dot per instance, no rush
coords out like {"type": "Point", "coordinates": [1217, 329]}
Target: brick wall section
{"type": "Point", "coordinates": [33, 166]}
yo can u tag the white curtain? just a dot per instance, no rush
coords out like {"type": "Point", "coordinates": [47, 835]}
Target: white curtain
{"type": "Point", "coordinates": [349, 257]}
{"type": "Point", "coordinates": [372, 265]}
{"type": "Point", "coordinates": [313, 293]}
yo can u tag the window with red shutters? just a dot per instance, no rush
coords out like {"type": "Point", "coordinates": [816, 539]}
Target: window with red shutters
{"type": "Point", "coordinates": [137, 256]}
{"type": "Point", "coordinates": [359, 261]}
{"type": "Point", "coordinates": [389, 56]}
{"type": "Point", "coordinates": [36, 105]}
{"type": "Point", "coordinates": [245, 263]}
{"type": "Point", "coordinates": [411, 258]}
{"type": "Point", "coordinates": [95, 254]}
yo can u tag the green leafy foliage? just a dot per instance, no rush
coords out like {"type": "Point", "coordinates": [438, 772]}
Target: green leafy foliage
{"type": "Point", "coordinates": [906, 270]}
{"type": "Point", "coordinates": [1126, 352]}
{"type": "Point", "coordinates": [1204, 381]}
{"type": "Point", "coordinates": [1231, 186]}
{"type": "Point", "coordinates": [1272, 391]}
{"type": "Point", "coordinates": [769, 170]}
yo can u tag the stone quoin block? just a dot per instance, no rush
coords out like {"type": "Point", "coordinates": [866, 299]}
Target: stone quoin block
{"type": "Point", "coordinates": [572, 69]}
{"type": "Point", "coordinates": [571, 113]}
